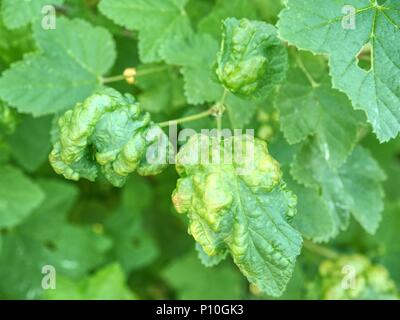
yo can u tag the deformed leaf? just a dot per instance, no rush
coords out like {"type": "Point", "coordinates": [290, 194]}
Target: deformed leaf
{"type": "Point", "coordinates": [252, 59]}
{"type": "Point", "coordinates": [109, 133]}
{"type": "Point", "coordinates": [236, 201]}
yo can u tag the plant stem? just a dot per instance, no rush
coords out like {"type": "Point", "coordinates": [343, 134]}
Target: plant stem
{"type": "Point", "coordinates": [112, 79]}
{"type": "Point", "coordinates": [217, 110]}
{"type": "Point", "coordinates": [321, 250]}
{"type": "Point", "coordinates": [187, 119]}
{"type": "Point", "coordinates": [144, 72]}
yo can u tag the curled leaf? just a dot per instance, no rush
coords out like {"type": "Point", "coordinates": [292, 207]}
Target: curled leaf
{"type": "Point", "coordinates": [233, 193]}
{"type": "Point", "coordinates": [252, 59]}
{"type": "Point", "coordinates": [109, 133]}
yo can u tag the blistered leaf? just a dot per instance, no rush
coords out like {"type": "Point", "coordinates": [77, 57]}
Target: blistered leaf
{"type": "Point", "coordinates": [236, 201]}
{"type": "Point", "coordinates": [344, 30]}
{"type": "Point", "coordinates": [109, 133]}
{"type": "Point", "coordinates": [158, 22]}
{"type": "Point", "coordinates": [369, 281]}
{"type": "Point", "coordinates": [67, 69]}
{"type": "Point", "coordinates": [252, 59]}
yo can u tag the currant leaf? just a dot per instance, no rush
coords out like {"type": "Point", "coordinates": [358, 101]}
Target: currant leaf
{"type": "Point", "coordinates": [242, 207]}
{"type": "Point", "coordinates": [109, 133]}
{"type": "Point", "coordinates": [354, 188]}
{"type": "Point", "coordinates": [158, 22]}
{"type": "Point", "coordinates": [322, 27]}
{"type": "Point", "coordinates": [68, 71]}
{"type": "Point", "coordinates": [252, 59]}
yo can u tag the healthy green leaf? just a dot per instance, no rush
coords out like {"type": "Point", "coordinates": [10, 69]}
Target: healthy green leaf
{"type": "Point", "coordinates": [30, 144]}
{"type": "Point", "coordinates": [14, 43]}
{"type": "Point", "coordinates": [226, 9]}
{"type": "Point", "coordinates": [134, 247]}
{"type": "Point", "coordinates": [252, 59]}
{"type": "Point", "coordinates": [109, 133]}
{"type": "Point", "coordinates": [66, 70]}
{"type": "Point", "coordinates": [355, 187]}
{"type": "Point", "coordinates": [310, 107]}
{"type": "Point", "coordinates": [19, 196]}
{"type": "Point", "coordinates": [108, 283]}
{"type": "Point", "coordinates": [158, 22]}
{"type": "Point", "coordinates": [197, 56]}
{"type": "Point", "coordinates": [46, 238]}
{"type": "Point", "coordinates": [222, 282]}
{"type": "Point", "coordinates": [240, 206]}
{"type": "Point", "coordinates": [323, 27]}
{"type": "Point", "coordinates": [162, 89]}
{"type": "Point", "coordinates": [8, 119]}
{"type": "Point", "coordinates": [18, 13]}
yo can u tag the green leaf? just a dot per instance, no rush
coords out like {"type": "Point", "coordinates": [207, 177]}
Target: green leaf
{"type": "Point", "coordinates": [8, 119]}
{"type": "Point", "coordinates": [162, 89]}
{"type": "Point", "coordinates": [355, 187]}
{"type": "Point", "coordinates": [252, 59]}
{"type": "Point", "coordinates": [30, 144]}
{"type": "Point", "coordinates": [314, 218]}
{"type": "Point", "coordinates": [108, 283]}
{"type": "Point", "coordinates": [239, 206]}
{"type": "Point", "coordinates": [226, 9]}
{"type": "Point", "coordinates": [108, 133]}
{"type": "Point", "coordinates": [66, 70]}
{"type": "Point", "coordinates": [158, 22]}
{"type": "Point", "coordinates": [370, 281]}
{"type": "Point", "coordinates": [310, 107]}
{"type": "Point", "coordinates": [197, 56]}
{"type": "Point", "coordinates": [18, 13]}
{"type": "Point", "coordinates": [14, 43]}
{"type": "Point", "coordinates": [134, 246]}
{"type": "Point", "coordinates": [19, 196]}
{"type": "Point", "coordinates": [192, 280]}
{"type": "Point", "coordinates": [322, 27]}
{"type": "Point", "coordinates": [46, 238]}
{"type": "Point", "coordinates": [268, 9]}
{"type": "Point", "coordinates": [387, 237]}
{"type": "Point", "coordinates": [240, 111]}
{"type": "Point", "coordinates": [208, 261]}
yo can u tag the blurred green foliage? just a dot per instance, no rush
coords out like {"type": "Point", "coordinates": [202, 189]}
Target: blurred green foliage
{"type": "Point", "coordinates": [129, 243]}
